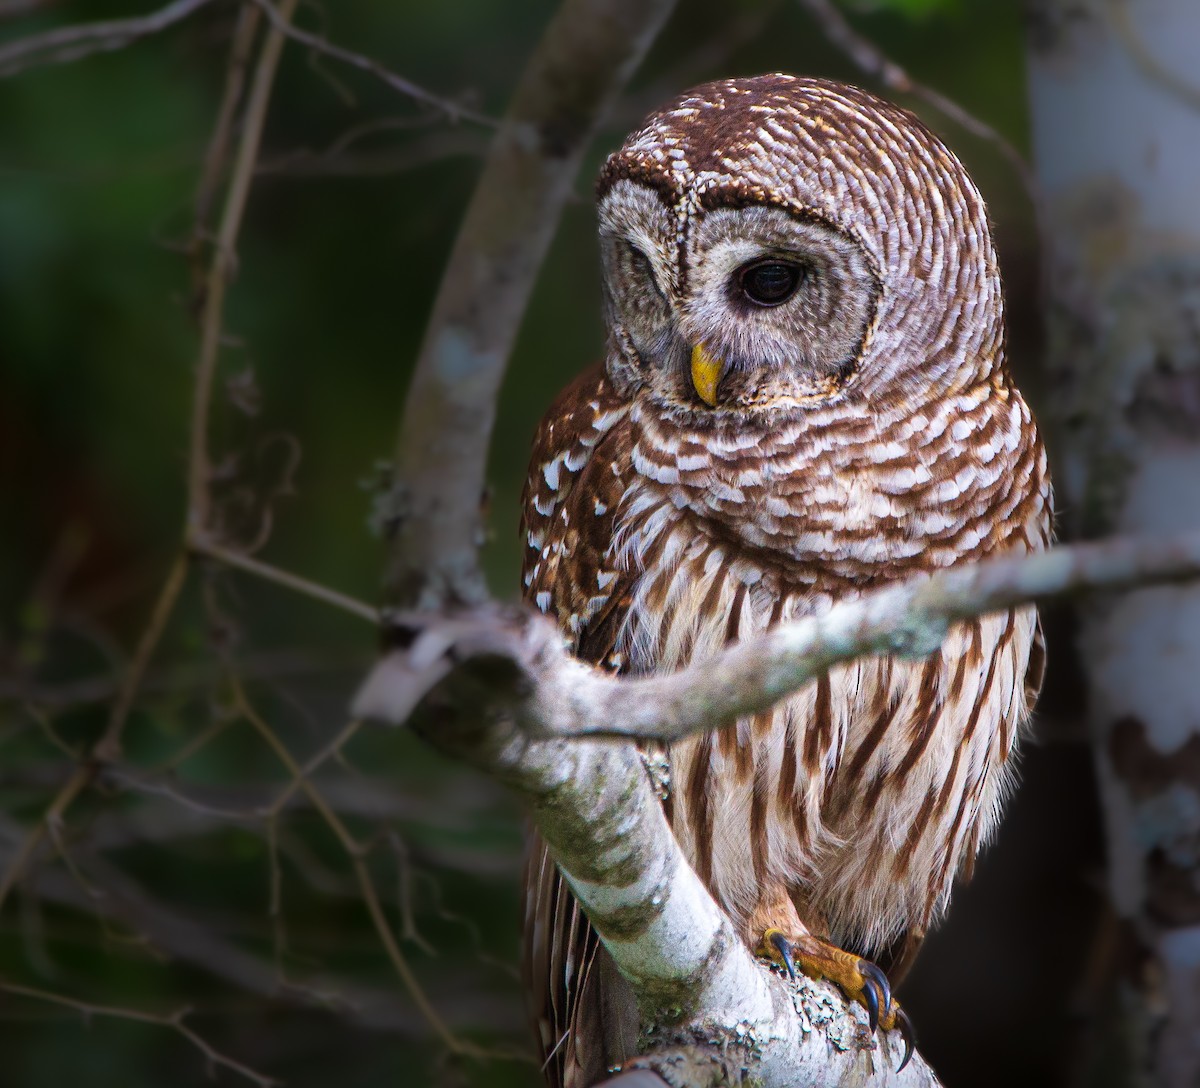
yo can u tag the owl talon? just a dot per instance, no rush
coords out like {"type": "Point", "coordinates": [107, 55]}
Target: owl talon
{"type": "Point", "coordinates": [877, 992]}
{"type": "Point", "coordinates": [859, 979]}
{"type": "Point", "coordinates": [782, 947]}
{"type": "Point", "coordinates": [870, 998]}
{"type": "Point", "coordinates": [907, 1034]}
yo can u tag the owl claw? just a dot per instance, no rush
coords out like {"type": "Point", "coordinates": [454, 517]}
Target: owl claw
{"type": "Point", "coordinates": [870, 998]}
{"type": "Point", "coordinates": [907, 1034]}
{"type": "Point", "coordinates": [859, 979]}
{"type": "Point", "coordinates": [876, 992]}
{"type": "Point", "coordinates": [783, 947]}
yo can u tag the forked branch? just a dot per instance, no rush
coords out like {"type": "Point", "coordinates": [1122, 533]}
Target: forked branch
{"type": "Point", "coordinates": [497, 687]}
{"type": "Point", "coordinates": [563, 697]}
{"type": "Point", "coordinates": [715, 1015]}
{"type": "Point", "coordinates": [585, 57]}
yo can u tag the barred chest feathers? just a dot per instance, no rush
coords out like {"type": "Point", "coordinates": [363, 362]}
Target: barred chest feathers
{"type": "Point", "coordinates": [867, 791]}
{"type": "Point", "coordinates": [804, 396]}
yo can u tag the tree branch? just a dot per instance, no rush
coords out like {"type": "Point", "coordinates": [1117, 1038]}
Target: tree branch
{"type": "Point", "coordinates": [567, 698]}
{"type": "Point", "coordinates": [453, 110]}
{"type": "Point", "coordinates": [222, 267]}
{"type": "Point", "coordinates": [69, 43]}
{"type": "Point", "coordinates": [204, 545]}
{"type": "Point", "coordinates": [496, 687]}
{"type": "Point", "coordinates": [713, 1013]}
{"type": "Point", "coordinates": [871, 60]}
{"type": "Point", "coordinates": [586, 55]}
{"type": "Point", "coordinates": [174, 1021]}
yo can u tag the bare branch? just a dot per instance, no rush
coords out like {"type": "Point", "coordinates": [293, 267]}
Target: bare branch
{"type": "Point", "coordinates": [713, 1011]}
{"type": "Point", "coordinates": [564, 697]}
{"type": "Point", "coordinates": [586, 55]}
{"type": "Point", "coordinates": [221, 270]}
{"type": "Point", "coordinates": [70, 43]}
{"type": "Point", "coordinates": [174, 1021]}
{"type": "Point", "coordinates": [181, 677]}
{"type": "Point", "coordinates": [455, 111]}
{"type": "Point", "coordinates": [339, 161]}
{"type": "Point", "coordinates": [875, 63]}
{"type": "Point", "coordinates": [217, 153]}
{"type": "Point", "coordinates": [202, 544]}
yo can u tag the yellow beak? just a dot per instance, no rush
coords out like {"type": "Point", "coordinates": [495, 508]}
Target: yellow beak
{"type": "Point", "coordinates": [707, 372]}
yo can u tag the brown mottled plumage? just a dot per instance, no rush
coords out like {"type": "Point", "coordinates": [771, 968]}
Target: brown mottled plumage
{"type": "Point", "coordinates": [865, 429]}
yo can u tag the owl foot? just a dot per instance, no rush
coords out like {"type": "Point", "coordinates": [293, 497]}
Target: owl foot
{"type": "Point", "coordinates": [859, 979]}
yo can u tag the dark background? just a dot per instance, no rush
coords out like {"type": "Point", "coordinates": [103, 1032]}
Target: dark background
{"type": "Point", "coordinates": [347, 231]}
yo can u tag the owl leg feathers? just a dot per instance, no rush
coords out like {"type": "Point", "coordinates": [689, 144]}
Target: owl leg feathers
{"type": "Point", "coordinates": [785, 940]}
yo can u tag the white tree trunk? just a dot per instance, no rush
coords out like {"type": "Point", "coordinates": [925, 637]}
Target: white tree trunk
{"type": "Point", "coordinates": [1115, 99]}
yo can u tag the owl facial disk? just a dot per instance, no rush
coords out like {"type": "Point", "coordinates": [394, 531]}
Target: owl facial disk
{"type": "Point", "coordinates": [784, 300]}
{"type": "Point", "coordinates": [731, 308]}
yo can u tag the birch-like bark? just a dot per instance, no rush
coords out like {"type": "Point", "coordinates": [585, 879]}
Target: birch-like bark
{"type": "Point", "coordinates": [587, 54]}
{"type": "Point", "coordinates": [562, 697]}
{"type": "Point", "coordinates": [497, 687]}
{"type": "Point", "coordinates": [1115, 98]}
{"type": "Point", "coordinates": [712, 1016]}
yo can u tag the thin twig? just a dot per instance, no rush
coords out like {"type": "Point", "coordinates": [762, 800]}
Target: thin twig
{"type": "Point", "coordinates": [199, 500]}
{"type": "Point", "coordinates": [175, 1021]}
{"type": "Point", "coordinates": [108, 747]}
{"type": "Point", "coordinates": [217, 154]}
{"type": "Point", "coordinates": [209, 548]}
{"type": "Point", "coordinates": [73, 42]}
{"type": "Point", "coordinates": [356, 854]}
{"type": "Point", "coordinates": [333, 748]}
{"type": "Point", "coordinates": [180, 677]}
{"type": "Point", "coordinates": [453, 110]}
{"type": "Point", "coordinates": [870, 59]}
{"type": "Point", "coordinates": [339, 161]}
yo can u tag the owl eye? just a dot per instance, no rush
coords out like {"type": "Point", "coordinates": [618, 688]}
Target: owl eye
{"type": "Point", "coordinates": [643, 270]}
{"type": "Point", "coordinates": [768, 283]}
{"type": "Point", "coordinates": [639, 261]}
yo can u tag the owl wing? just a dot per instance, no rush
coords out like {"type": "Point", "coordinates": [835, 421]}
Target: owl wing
{"type": "Point", "coordinates": [577, 477]}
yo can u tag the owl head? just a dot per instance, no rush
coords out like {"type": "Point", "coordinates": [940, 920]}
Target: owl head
{"type": "Point", "coordinates": [774, 243]}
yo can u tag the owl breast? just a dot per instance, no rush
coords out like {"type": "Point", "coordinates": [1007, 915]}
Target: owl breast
{"type": "Point", "coordinates": [864, 793]}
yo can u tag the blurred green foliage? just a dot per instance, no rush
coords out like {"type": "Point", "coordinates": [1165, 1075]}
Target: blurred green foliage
{"type": "Point", "coordinates": [348, 227]}
{"type": "Point", "coordinates": [913, 9]}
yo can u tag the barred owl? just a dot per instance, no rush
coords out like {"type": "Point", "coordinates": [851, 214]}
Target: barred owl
{"type": "Point", "coordinates": [804, 396]}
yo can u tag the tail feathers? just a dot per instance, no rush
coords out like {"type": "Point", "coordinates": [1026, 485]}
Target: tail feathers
{"type": "Point", "coordinates": [583, 1015]}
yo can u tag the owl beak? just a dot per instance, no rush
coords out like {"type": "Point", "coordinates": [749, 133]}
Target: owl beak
{"type": "Point", "coordinates": [707, 372]}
